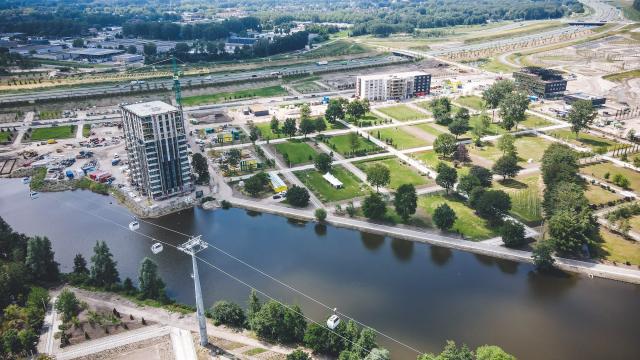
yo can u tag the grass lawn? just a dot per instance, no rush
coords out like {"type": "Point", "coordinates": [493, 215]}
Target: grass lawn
{"type": "Point", "coordinates": [400, 173]}
{"type": "Point", "coordinates": [467, 223]}
{"type": "Point", "coordinates": [589, 140]}
{"type": "Point", "coordinates": [50, 114]}
{"type": "Point", "coordinates": [534, 122]}
{"type": "Point", "coordinates": [526, 197]}
{"type": "Point", "coordinates": [492, 129]}
{"type": "Point", "coordinates": [353, 187]}
{"type": "Point", "coordinates": [234, 95]}
{"type": "Point", "coordinates": [400, 138]}
{"type": "Point", "coordinates": [616, 248]}
{"type": "Point", "coordinates": [597, 195]}
{"type": "Point", "coordinates": [402, 113]}
{"type": "Point", "coordinates": [342, 144]}
{"type": "Point", "coordinates": [336, 48]}
{"type": "Point", "coordinates": [432, 128]}
{"type": "Point", "coordinates": [528, 147]}
{"type": "Point", "coordinates": [472, 101]}
{"type": "Point", "coordinates": [370, 119]}
{"type": "Point", "coordinates": [430, 158]}
{"type": "Point", "coordinates": [4, 136]}
{"type": "Point", "coordinates": [299, 152]}
{"type": "Point", "coordinates": [634, 221]}
{"type": "Point", "coordinates": [86, 130]}
{"type": "Point", "coordinates": [494, 65]}
{"type": "Point", "coordinates": [266, 132]}
{"type": "Point", "coordinates": [621, 76]}
{"type": "Point", "coordinates": [598, 171]}
{"type": "Point", "coordinates": [56, 132]}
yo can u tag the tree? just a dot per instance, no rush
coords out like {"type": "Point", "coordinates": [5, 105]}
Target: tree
{"type": "Point", "coordinates": [319, 124]}
{"type": "Point", "coordinates": [274, 125]}
{"type": "Point", "coordinates": [356, 109]}
{"type": "Point", "coordinates": [378, 354]}
{"type": "Point", "coordinates": [335, 110]}
{"type": "Point", "coordinates": [450, 352]}
{"type": "Point", "coordinates": [28, 340]}
{"type": "Point", "coordinates": [307, 126]}
{"type": "Point", "coordinates": [447, 176]}
{"type": "Point", "coordinates": [305, 111]}
{"type": "Point", "coordinates": [131, 49]}
{"type": "Point", "coordinates": [103, 267]}
{"type": "Point", "coordinates": [378, 175]}
{"type": "Point", "coordinates": [323, 163]}
{"type": "Point", "coordinates": [492, 352]}
{"type": "Point", "coordinates": [253, 306]}
{"type": "Point", "coordinates": [323, 341]}
{"type": "Point", "coordinates": [406, 201]}
{"type": "Point", "coordinates": [67, 304]}
{"type": "Point", "coordinates": [233, 156]}
{"type": "Point", "coordinates": [484, 175]}
{"type": "Point", "coordinates": [150, 284]}
{"type": "Point", "coordinates": [444, 217]}
{"type": "Point", "coordinates": [354, 141]}
{"type": "Point", "coordinates": [39, 259]}
{"type": "Point", "coordinates": [320, 214]}
{"type": "Point", "coordinates": [493, 205]}
{"type": "Point", "coordinates": [467, 183]}
{"type": "Point", "coordinates": [445, 145]}
{"type": "Point", "coordinates": [80, 265]}
{"type": "Point", "coordinates": [78, 43]}
{"type": "Point", "coordinates": [289, 127]}
{"type": "Point", "coordinates": [460, 123]}
{"type": "Point", "coordinates": [374, 207]}
{"type": "Point", "coordinates": [441, 110]}
{"type": "Point", "coordinates": [512, 234]}
{"type": "Point", "coordinates": [254, 134]}
{"type": "Point", "coordinates": [507, 166]}
{"type": "Point", "coordinates": [506, 143]}
{"type": "Point", "coordinates": [495, 93]}
{"type": "Point", "coordinates": [581, 115]}
{"type": "Point", "coordinates": [227, 313]}
{"type": "Point", "coordinates": [11, 342]}
{"type": "Point", "coordinates": [565, 196]}
{"type": "Point", "coordinates": [256, 183]}
{"type": "Point", "coordinates": [298, 355]}
{"type": "Point", "coordinates": [277, 323]}
{"type": "Point", "coordinates": [461, 154]}
{"type": "Point", "coordinates": [543, 255]}
{"type": "Point", "coordinates": [513, 109]}
{"type": "Point", "coordinates": [298, 196]}
{"type": "Point", "coordinates": [559, 163]}
{"type": "Point", "coordinates": [365, 343]}
{"type": "Point", "coordinates": [149, 49]}
{"type": "Point", "coordinates": [201, 167]}
{"type": "Point", "coordinates": [570, 231]}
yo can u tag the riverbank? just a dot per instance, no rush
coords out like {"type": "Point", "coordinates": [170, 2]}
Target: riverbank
{"type": "Point", "coordinates": [590, 269]}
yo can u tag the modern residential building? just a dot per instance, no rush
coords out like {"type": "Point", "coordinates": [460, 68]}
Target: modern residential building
{"type": "Point", "coordinates": [156, 145]}
{"type": "Point", "coordinates": [398, 86]}
{"type": "Point", "coordinates": [540, 82]}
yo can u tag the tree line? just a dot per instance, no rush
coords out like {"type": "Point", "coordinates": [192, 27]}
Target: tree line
{"type": "Point", "coordinates": [166, 30]}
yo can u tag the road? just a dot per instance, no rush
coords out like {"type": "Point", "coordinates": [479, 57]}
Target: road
{"type": "Point", "coordinates": [208, 80]}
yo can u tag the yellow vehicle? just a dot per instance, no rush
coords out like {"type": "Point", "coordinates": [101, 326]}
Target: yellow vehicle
{"type": "Point", "coordinates": [51, 141]}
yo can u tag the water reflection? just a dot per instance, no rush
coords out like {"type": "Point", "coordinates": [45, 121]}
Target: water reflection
{"type": "Point", "coordinates": [254, 213]}
{"type": "Point", "coordinates": [402, 249]}
{"type": "Point", "coordinates": [296, 222]}
{"type": "Point", "coordinates": [484, 259]}
{"type": "Point", "coordinates": [507, 267]}
{"type": "Point", "coordinates": [550, 284]}
{"type": "Point", "coordinates": [440, 255]}
{"type": "Point", "coordinates": [320, 229]}
{"type": "Point", "coordinates": [371, 241]}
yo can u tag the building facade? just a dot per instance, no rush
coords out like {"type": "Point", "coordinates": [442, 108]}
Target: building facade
{"type": "Point", "coordinates": [540, 82]}
{"type": "Point", "coordinates": [156, 142]}
{"type": "Point", "coordinates": [398, 86]}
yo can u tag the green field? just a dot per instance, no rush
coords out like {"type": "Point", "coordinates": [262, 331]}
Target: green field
{"type": "Point", "coordinates": [599, 170]}
{"type": "Point", "coordinates": [621, 76]}
{"type": "Point", "coordinates": [307, 87]}
{"type": "Point", "coordinates": [468, 223]}
{"type": "Point", "coordinates": [472, 101]}
{"type": "Point", "coordinates": [528, 147]}
{"type": "Point", "coordinates": [49, 114]}
{"type": "Point", "coordinates": [342, 144]}
{"type": "Point", "coordinates": [86, 130]}
{"type": "Point", "coordinates": [266, 132]}
{"type": "Point", "coordinates": [432, 128]}
{"type": "Point", "coordinates": [400, 173]}
{"type": "Point", "coordinates": [400, 138]}
{"type": "Point", "coordinates": [598, 196]}
{"type": "Point", "coordinates": [4, 136]}
{"type": "Point", "coordinates": [370, 119]}
{"type": "Point", "coordinates": [534, 122]}
{"type": "Point", "coordinates": [353, 187]}
{"type": "Point", "coordinates": [299, 152]}
{"type": "Point", "coordinates": [336, 48]}
{"type": "Point", "coordinates": [56, 132]}
{"type": "Point", "coordinates": [430, 158]}
{"type": "Point", "coordinates": [589, 140]}
{"type": "Point", "coordinates": [616, 248]}
{"type": "Point", "coordinates": [526, 197]}
{"type": "Point", "coordinates": [492, 129]}
{"type": "Point", "coordinates": [402, 113]}
{"type": "Point", "coordinates": [234, 95]}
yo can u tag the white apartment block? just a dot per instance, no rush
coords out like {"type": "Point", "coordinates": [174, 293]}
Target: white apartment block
{"type": "Point", "coordinates": [397, 86]}
{"type": "Point", "coordinates": [156, 142]}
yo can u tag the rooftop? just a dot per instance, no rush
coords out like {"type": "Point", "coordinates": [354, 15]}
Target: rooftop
{"type": "Point", "coordinates": [150, 108]}
{"type": "Point", "coordinates": [95, 52]}
{"type": "Point", "coordinates": [393, 75]}
{"type": "Point", "coordinates": [543, 73]}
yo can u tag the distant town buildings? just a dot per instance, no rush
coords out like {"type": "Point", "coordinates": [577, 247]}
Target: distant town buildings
{"type": "Point", "coordinates": [397, 86]}
{"type": "Point", "coordinates": [540, 82]}
{"type": "Point", "coordinates": [156, 143]}
{"type": "Point", "coordinates": [238, 42]}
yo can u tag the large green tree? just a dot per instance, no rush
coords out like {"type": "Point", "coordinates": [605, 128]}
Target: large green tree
{"type": "Point", "coordinates": [513, 109]}
{"type": "Point", "coordinates": [559, 163]}
{"type": "Point", "coordinates": [512, 233]}
{"type": "Point", "coordinates": [374, 207]}
{"type": "Point", "coordinates": [570, 231]}
{"type": "Point", "coordinates": [227, 313]}
{"type": "Point", "coordinates": [378, 175]}
{"type": "Point", "coordinates": [150, 284]}
{"type": "Point", "coordinates": [444, 217]}
{"type": "Point", "coordinates": [445, 145]}
{"type": "Point", "coordinates": [335, 110]}
{"type": "Point", "coordinates": [406, 201]}
{"type": "Point", "coordinates": [103, 268]}
{"type": "Point", "coordinates": [298, 196]}
{"type": "Point", "coordinates": [447, 176]}
{"type": "Point", "coordinates": [323, 163]}
{"type": "Point", "coordinates": [67, 304]}
{"type": "Point", "coordinates": [201, 167]}
{"type": "Point", "coordinates": [495, 93]}
{"type": "Point", "coordinates": [493, 205]}
{"type": "Point", "coordinates": [275, 322]}
{"type": "Point", "coordinates": [581, 115]}
{"type": "Point", "coordinates": [289, 127]}
{"type": "Point", "coordinates": [40, 259]}
{"type": "Point", "coordinates": [506, 166]}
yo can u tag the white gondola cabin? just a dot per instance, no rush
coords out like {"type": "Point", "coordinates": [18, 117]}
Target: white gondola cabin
{"type": "Point", "coordinates": [333, 321]}
{"type": "Point", "coordinates": [156, 248]}
{"type": "Point", "coordinates": [134, 225]}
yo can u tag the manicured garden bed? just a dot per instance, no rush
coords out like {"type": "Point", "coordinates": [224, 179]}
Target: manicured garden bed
{"type": "Point", "coordinates": [298, 152]}
{"type": "Point", "coordinates": [601, 169]}
{"type": "Point", "coordinates": [353, 187]}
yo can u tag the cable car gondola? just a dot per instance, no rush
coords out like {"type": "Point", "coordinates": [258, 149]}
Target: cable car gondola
{"type": "Point", "coordinates": [134, 225]}
{"type": "Point", "coordinates": [334, 320]}
{"type": "Point", "coordinates": [156, 248]}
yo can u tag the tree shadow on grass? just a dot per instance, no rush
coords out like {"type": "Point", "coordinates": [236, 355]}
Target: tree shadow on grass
{"type": "Point", "coordinates": [512, 184]}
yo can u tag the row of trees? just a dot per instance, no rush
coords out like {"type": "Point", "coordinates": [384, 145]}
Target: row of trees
{"type": "Point", "coordinates": [165, 30]}
{"type": "Point", "coordinates": [275, 322]}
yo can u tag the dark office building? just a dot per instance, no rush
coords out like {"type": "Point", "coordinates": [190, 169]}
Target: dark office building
{"type": "Point", "coordinates": [540, 82]}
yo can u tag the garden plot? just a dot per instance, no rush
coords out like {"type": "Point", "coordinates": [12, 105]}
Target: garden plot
{"type": "Point", "coordinates": [594, 142]}
{"type": "Point", "coordinates": [528, 147]}
{"type": "Point", "coordinates": [402, 137]}
{"type": "Point", "coordinates": [526, 197]}
{"type": "Point", "coordinates": [296, 152]}
{"type": "Point", "coordinates": [353, 187]}
{"type": "Point", "coordinates": [346, 145]}
{"type": "Point", "coordinates": [400, 173]}
{"type": "Point", "coordinates": [402, 113]}
{"type": "Point", "coordinates": [608, 172]}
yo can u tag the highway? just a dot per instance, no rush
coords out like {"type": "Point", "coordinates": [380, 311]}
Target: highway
{"type": "Point", "coordinates": [186, 82]}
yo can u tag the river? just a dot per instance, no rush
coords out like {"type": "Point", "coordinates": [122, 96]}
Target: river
{"type": "Point", "coordinates": [419, 294]}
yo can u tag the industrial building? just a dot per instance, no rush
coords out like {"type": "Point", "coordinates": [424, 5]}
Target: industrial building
{"type": "Point", "coordinates": [156, 145]}
{"type": "Point", "coordinates": [540, 82]}
{"type": "Point", "coordinates": [398, 86]}
{"type": "Point", "coordinates": [94, 55]}
{"type": "Point", "coordinates": [236, 42]}
{"type": "Point", "coordinates": [596, 101]}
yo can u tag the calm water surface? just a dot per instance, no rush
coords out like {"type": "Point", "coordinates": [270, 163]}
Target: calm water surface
{"type": "Point", "coordinates": [420, 294]}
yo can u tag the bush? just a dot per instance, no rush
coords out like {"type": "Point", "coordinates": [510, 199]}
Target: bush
{"type": "Point", "coordinates": [512, 234]}
{"type": "Point", "coordinates": [227, 313]}
{"type": "Point", "coordinates": [298, 355]}
{"type": "Point", "coordinates": [321, 214]}
{"type": "Point", "coordinates": [298, 196]}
